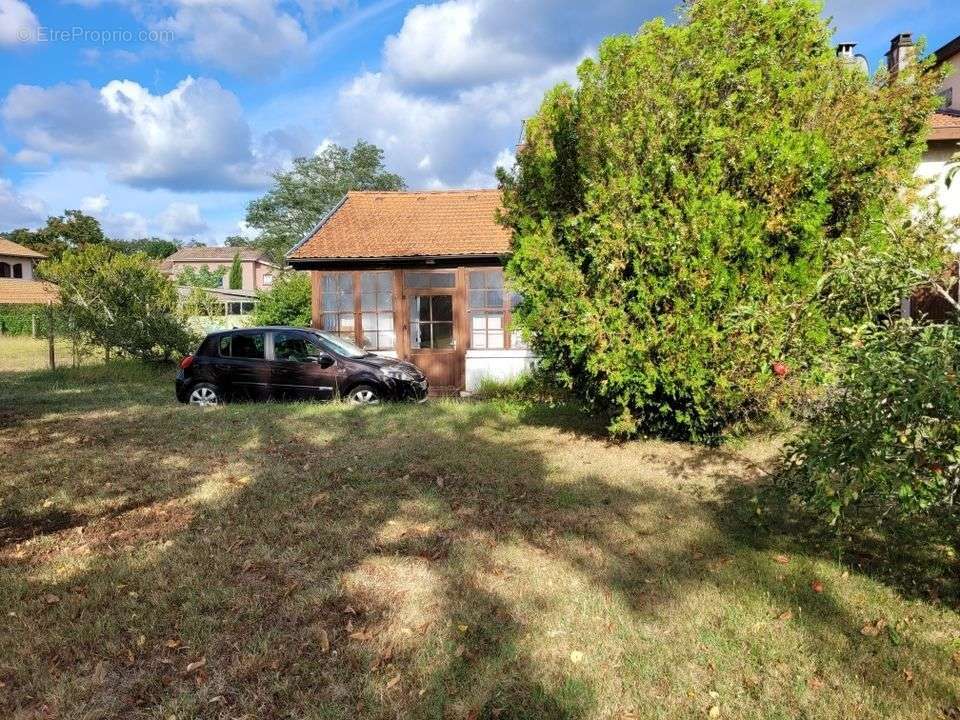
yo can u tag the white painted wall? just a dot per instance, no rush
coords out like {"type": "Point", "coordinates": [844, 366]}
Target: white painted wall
{"type": "Point", "coordinates": [496, 365]}
{"type": "Point", "coordinates": [934, 168]}
{"type": "Point", "coordinates": [27, 264]}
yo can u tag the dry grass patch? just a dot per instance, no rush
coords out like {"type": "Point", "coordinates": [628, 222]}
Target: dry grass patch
{"type": "Point", "coordinates": [444, 561]}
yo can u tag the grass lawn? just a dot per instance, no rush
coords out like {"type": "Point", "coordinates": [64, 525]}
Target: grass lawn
{"type": "Point", "coordinates": [450, 560]}
{"type": "Point", "coordinates": [25, 353]}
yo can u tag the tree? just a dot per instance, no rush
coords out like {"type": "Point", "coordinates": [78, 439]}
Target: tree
{"type": "Point", "coordinates": [72, 230]}
{"type": "Point", "coordinates": [154, 247]}
{"type": "Point", "coordinates": [678, 217]}
{"type": "Point", "coordinates": [302, 196]}
{"type": "Point", "coordinates": [202, 277]}
{"type": "Point", "coordinates": [235, 280]}
{"type": "Point", "coordinates": [286, 303]}
{"type": "Point", "coordinates": [120, 301]}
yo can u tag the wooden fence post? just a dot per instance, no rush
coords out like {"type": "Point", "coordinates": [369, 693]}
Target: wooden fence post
{"type": "Point", "coordinates": [33, 325]}
{"type": "Point", "coordinates": [50, 349]}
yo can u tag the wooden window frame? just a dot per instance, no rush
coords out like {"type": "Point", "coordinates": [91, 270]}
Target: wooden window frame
{"type": "Point", "coordinates": [506, 309]}
{"type": "Point", "coordinates": [319, 312]}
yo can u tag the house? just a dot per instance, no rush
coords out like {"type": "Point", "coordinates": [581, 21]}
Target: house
{"type": "Point", "coordinates": [944, 139]}
{"type": "Point", "coordinates": [258, 271]}
{"type": "Point", "coordinates": [418, 276]}
{"type": "Point", "coordinates": [18, 286]}
{"type": "Point", "coordinates": [17, 261]}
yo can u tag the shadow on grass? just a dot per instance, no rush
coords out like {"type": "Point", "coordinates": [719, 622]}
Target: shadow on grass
{"type": "Point", "coordinates": [370, 563]}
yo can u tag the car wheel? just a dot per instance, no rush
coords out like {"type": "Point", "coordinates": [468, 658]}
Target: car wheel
{"type": "Point", "coordinates": [364, 395]}
{"type": "Point", "coordinates": [204, 395]}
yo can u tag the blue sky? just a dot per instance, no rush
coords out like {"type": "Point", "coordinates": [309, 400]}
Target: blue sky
{"type": "Point", "coordinates": [167, 117]}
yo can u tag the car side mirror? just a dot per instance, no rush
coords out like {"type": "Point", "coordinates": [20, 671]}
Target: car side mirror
{"type": "Point", "coordinates": [324, 361]}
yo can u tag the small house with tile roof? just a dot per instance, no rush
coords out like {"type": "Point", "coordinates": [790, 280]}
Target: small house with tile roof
{"type": "Point", "coordinates": [18, 286]}
{"type": "Point", "coordinates": [258, 272]}
{"type": "Point", "coordinates": [418, 276]}
{"type": "Point", "coordinates": [943, 139]}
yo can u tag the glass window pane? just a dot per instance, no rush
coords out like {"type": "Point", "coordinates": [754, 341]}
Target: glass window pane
{"type": "Point", "coordinates": [420, 308]}
{"type": "Point", "coordinates": [346, 301]}
{"type": "Point", "coordinates": [479, 341]}
{"type": "Point", "coordinates": [346, 282]}
{"type": "Point", "coordinates": [386, 321]}
{"type": "Point", "coordinates": [368, 301]}
{"type": "Point", "coordinates": [416, 279]}
{"type": "Point", "coordinates": [475, 280]}
{"type": "Point", "coordinates": [494, 299]}
{"type": "Point", "coordinates": [329, 322]}
{"type": "Point", "coordinates": [346, 322]}
{"type": "Point", "coordinates": [442, 308]}
{"type": "Point", "coordinates": [330, 301]}
{"type": "Point", "coordinates": [477, 298]}
{"type": "Point", "coordinates": [368, 282]}
{"type": "Point", "coordinates": [369, 321]}
{"type": "Point", "coordinates": [329, 283]}
{"type": "Point", "coordinates": [248, 345]}
{"type": "Point", "coordinates": [387, 341]}
{"type": "Point", "coordinates": [495, 279]}
{"type": "Point", "coordinates": [516, 341]}
{"type": "Point", "coordinates": [225, 346]}
{"type": "Point", "coordinates": [495, 340]}
{"type": "Point", "coordinates": [515, 299]}
{"type": "Point", "coordinates": [385, 301]}
{"type": "Point", "coordinates": [385, 282]}
{"type": "Point", "coordinates": [478, 323]}
{"type": "Point", "coordinates": [420, 335]}
{"type": "Point", "coordinates": [443, 335]}
{"type": "Point", "coordinates": [495, 321]}
{"type": "Point", "coordinates": [443, 280]}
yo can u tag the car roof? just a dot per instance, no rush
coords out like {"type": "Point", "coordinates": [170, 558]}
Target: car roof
{"type": "Point", "coordinates": [262, 328]}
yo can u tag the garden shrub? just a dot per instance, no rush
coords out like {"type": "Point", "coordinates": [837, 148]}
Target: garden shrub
{"type": "Point", "coordinates": [287, 302]}
{"type": "Point", "coordinates": [885, 442]}
{"type": "Point", "coordinates": [677, 216]}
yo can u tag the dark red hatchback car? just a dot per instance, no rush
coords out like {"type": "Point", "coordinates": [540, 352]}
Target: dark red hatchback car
{"type": "Point", "coordinates": [292, 364]}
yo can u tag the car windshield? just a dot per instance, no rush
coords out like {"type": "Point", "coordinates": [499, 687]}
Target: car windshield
{"type": "Point", "coordinates": [341, 346]}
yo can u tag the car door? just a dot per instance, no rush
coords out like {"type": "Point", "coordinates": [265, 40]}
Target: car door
{"type": "Point", "coordinates": [300, 369]}
{"type": "Point", "coordinates": [248, 368]}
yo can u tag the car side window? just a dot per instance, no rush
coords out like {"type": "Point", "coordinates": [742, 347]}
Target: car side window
{"type": "Point", "coordinates": [225, 346]}
{"type": "Point", "coordinates": [248, 345]}
{"type": "Point", "coordinates": [293, 347]}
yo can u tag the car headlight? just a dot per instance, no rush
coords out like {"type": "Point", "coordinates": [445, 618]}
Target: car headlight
{"type": "Point", "coordinates": [396, 373]}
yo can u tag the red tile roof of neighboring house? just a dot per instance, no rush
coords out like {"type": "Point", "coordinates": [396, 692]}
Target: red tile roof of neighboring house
{"type": "Point", "coordinates": [8, 247]}
{"type": "Point", "coordinates": [27, 292]}
{"type": "Point", "coordinates": [945, 125]}
{"type": "Point", "coordinates": [369, 224]}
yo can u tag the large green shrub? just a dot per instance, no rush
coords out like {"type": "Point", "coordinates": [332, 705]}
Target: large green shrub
{"type": "Point", "coordinates": [286, 303]}
{"type": "Point", "coordinates": [677, 216]}
{"type": "Point", "coordinates": [886, 441]}
{"type": "Point", "coordinates": [120, 301]}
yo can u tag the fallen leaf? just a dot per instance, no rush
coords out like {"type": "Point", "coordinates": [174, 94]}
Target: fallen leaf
{"type": "Point", "coordinates": [196, 665]}
{"type": "Point", "coordinates": [576, 657]}
{"type": "Point", "coordinates": [781, 559]}
{"type": "Point", "coordinates": [361, 635]}
{"type": "Point", "coordinates": [816, 586]}
{"type": "Point", "coordinates": [393, 681]}
{"type": "Point", "coordinates": [324, 640]}
{"type": "Point", "coordinates": [908, 675]}
{"type": "Point", "coordinates": [873, 629]}
{"type": "Point", "coordinates": [815, 683]}
{"type": "Point", "coordinates": [785, 616]}
{"type": "Point", "coordinates": [51, 599]}
{"type": "Point", "coordinates": [462, 628]}
{"type": "Point", "coordinates": [172, 643]}
{"type": "Point", "coordinates": [714, 711]}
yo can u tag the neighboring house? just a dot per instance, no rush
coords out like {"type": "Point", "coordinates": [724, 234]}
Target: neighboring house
{"type": "Point", "coordinates": [17, 283]}
{"type": "Point", "coordinates": [17, 261]}
{"type": "Point", "coordinates": [944, 138]}
{"type": "Point", "coordinates": [419, 276]}
{"type": "Point", "coordinates": [258, 271]}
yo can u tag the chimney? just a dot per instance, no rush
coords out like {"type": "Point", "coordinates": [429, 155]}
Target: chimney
{"type": "Point", "coordinates": [846, 55]}
{"type": "Point", "coordinates": [901, 54]}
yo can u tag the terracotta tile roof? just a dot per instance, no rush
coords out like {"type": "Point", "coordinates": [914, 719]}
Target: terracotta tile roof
{"type": "Point", "coordinates": [27, 292]}
{"type": "Point", "coordinates": [409, 224]}
{"type": "Point", "coordinates": [8, 247]}
{"type": "Point", "coordinates": [221, 253]}
{"type": "Point", "coordinates": [945, 125]}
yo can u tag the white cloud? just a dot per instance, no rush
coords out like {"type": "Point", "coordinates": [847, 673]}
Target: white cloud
{"type": "Point", "coordinates": [450, 141]}
{"type": "Point", "coordinates": [94, 204]}
{"type": "Point", "coordinates": [18, 209]}
{"type": "Point", "coordinates": [194, 137]}
{"type": "Point", "coordinates": [461, 43]}
{"type": "Point", "coordinates": [182, 219]}
{"type": "Point", "coordinates": [32, 157]}
{"type": "Point", "coordinates": [18, 24]}
{"type": "Point", "coordinates": [247, 37]}
{"type": "Point", "coordinates": [127, 225]}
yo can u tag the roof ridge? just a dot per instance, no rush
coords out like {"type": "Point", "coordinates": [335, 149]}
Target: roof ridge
{"type": "Point", "coordinates": [424, 192]}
